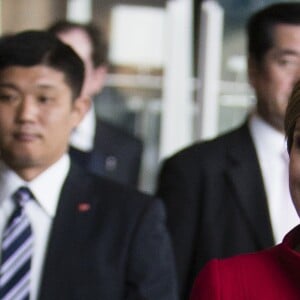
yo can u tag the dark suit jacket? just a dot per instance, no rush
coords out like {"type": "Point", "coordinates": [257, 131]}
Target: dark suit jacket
{"type": "Point", "coordinates": [107, 242]}
{"type": "Point", "coordinates": [216, 203]}
{"type": "Point", "coordinates": [116, 154]}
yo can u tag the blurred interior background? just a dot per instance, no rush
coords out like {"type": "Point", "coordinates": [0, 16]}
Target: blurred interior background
{"type": "Point", "coordinates": [177, 69]}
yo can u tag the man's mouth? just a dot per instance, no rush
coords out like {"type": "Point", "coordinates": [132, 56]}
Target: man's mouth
{"type": "Point", "coordinates": [25, 136]}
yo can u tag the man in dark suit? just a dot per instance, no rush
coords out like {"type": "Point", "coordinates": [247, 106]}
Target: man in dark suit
{"type": "Point", "coordinates": [227, 196]}
{"type": "Point", "coordinates": [77, 235]}
{"type": "Point", "coordinates": [99, 145]}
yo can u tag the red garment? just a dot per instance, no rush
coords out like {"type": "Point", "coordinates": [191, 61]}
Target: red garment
{"type": "Point", "coordinates": [271, 274]}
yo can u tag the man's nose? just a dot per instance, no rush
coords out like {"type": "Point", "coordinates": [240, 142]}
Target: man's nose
{"type": "Point", "coordinates": [27, 109]}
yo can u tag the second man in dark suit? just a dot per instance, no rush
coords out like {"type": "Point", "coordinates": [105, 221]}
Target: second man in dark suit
{"type": "Point", "coordinates": [230, 195]}
{"type": "Point", "coordinates": [97, 144]}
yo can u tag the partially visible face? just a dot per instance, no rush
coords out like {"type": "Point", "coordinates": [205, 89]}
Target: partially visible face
{"type": "Point", "coordinates": [294, 173]}
{"type": "Point", "coordinates": [274, 79]}
{"type": "Point", "coordinates": [79, 41]}
{"type": "Point", "coordinates": [37, 115]}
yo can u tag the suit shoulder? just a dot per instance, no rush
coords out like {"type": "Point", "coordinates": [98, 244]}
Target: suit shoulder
{"type": "Point", "coordinates": [83, 183]}
{"type": "Point", "coordinates": [118, 194]}
{"type": "Point", "coordinates": [214, 148]}
{"type": "Point", "coordinates": [114, 132]}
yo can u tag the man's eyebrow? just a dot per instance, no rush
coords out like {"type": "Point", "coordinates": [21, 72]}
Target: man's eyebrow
{"type": "Point", "coordinates": [42, 86]}
{"type": "Point", "coordinates": [291, 52]}
{"type": "Point", "coordinates": [7, 85]}
{"type": "Point", "coordinates": [46, 86]}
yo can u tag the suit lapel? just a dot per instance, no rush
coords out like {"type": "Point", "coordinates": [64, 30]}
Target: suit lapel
{"type": "Point", "coordinates": [70, 225]}
{"type": "Point", "coordinates": [246, 180]}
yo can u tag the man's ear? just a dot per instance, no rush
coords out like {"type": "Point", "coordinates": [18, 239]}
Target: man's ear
{"type": "Point", "coordinates": [99, 77]}
{"type": "Point", "coordinates": [81, 106]}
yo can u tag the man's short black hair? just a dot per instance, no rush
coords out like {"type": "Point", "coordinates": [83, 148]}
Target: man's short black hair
{"type": "Point", "coordinates": [31, 48]}
{"type": "Point", "coordinates": [260, 27]}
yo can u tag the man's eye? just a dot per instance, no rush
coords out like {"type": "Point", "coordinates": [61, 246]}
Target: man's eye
{"type": "Point", "coordinates": [7, 97]}
{"type": "Point", "coordinates": [291, 63]}
{"type": "Point", "coordinates": [284, 62]}
{"type": "Point", "coordinates": [45, 99]}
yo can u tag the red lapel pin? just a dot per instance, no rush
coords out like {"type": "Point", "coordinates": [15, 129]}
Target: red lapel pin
{"type": "Point", "coordinates": [84, 207]}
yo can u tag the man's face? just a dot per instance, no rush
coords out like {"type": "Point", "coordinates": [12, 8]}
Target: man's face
{"type": "Point", "coordinates": [37, 115]}
{"type": "Point", "coordinates": [294, 175]}
{"type": "Point", "coordinates": [79, 41]}
{"type": "Point", "coordinates": [274, 78]}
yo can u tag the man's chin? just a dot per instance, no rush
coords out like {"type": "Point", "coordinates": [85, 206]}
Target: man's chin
{"type": "Point", "coordinates": [20, 162]}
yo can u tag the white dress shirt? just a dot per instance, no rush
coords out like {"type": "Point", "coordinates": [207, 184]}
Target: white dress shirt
{"type": "Point", "coordinates": [271, 149]}
{"type": "Point", "coordinates": [40, 212]}
{"type": "Point", "coordinates": [82, 137]}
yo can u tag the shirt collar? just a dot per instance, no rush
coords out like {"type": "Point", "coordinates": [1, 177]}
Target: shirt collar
{"type": "Point", "coordinates": [83, 135]}
{"type": "Point", "coordinates": [47, 195]}
{"type": "Point", "coordinates": [266, 137]}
